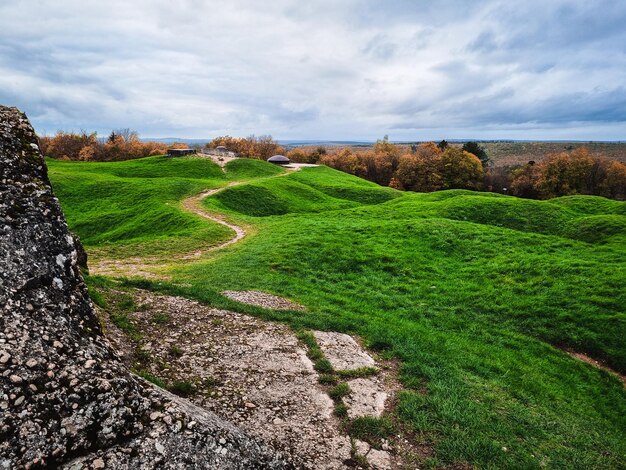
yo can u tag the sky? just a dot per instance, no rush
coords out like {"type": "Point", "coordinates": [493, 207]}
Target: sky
{"type": "Point", "coordinates": [318, 69]}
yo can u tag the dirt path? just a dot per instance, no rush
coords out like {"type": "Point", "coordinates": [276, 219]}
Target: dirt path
{"type": "Point", "coordinates": [193, 204]}
{"type": "Point", "coordinates": [597, 364]}
{"type": "Point", "coordinates": [152, 267]}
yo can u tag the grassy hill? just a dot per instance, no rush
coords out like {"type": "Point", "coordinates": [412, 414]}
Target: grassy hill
{"type": "Point", "coordinates": [476, 294]}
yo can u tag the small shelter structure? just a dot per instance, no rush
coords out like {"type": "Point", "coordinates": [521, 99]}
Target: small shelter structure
{"type": "Point", "coordinates": [221, 150]}
{"type": "Point", "coordinates": [279, 160]}
{"type": "Point", "coordinates": [180, 152]}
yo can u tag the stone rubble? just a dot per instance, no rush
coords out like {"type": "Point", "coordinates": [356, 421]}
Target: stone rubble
{"type": "Point", "coordinates": [250, 372]}
{"type": "Point", "coordinates": [262, 299]}
{"type": "Point", "coordinates": [66, 400]}
{"type": "Point", "coordinates": [367, 397]}
{"type": "Point", "coordinates": [343, 352]}
{"type": "Point", "coordinates": [256, 375]}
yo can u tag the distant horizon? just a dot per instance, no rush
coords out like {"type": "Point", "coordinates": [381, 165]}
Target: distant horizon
{"type": "Point", "coordinates": [356, 141]}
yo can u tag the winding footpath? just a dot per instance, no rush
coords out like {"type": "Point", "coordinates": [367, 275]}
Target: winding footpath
{"type": "Point", "coordinates": [193, 204]}
{"type": "Point", "coordinates": [151, 267]}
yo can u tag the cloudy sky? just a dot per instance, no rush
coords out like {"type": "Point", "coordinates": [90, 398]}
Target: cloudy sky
{"type": "Point", "coordinates": [318, 69]}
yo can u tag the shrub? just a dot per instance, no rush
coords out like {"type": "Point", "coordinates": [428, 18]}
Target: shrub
{"type": "Point", "coordinates": [124, 323]}
{"type": "Point", "coordinates": [327, 379]}
{"type": "Point", "coordinates": [341, 410]}
{"type": "Point", "coordinates": [160, 318]}
{"type": "Point", "coordinates": [150, 378]}
{"type": "Point", "coordinates": [123, 144]}
{"type": "Point", "coordinates": [262, 147]}
{"type": "Point", "coordinates": [175, 351]}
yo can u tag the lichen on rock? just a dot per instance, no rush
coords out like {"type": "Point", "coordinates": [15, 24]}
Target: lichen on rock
{"type": "Point", "coordinates": [65, 398]}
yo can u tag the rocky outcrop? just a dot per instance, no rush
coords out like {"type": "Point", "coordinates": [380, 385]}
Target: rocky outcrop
{"type": "Point", "coordinates": [65, 398]}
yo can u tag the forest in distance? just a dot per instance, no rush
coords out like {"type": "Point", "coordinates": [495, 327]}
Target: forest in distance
{"type": "Point", "coordinates": [420, 167]}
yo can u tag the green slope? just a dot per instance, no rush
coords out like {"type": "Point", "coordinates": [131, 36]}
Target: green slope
{"type": "Point", "coordinates": [475, 293]}
{"type": "Point", "coordinates": [131, 208]}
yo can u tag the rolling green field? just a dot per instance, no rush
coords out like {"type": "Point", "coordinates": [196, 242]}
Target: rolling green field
{"type": "Point", "coordinates": [476, 294]}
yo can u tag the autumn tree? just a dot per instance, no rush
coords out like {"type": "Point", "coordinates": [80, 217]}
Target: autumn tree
{"type": "Point", "coordinates": [261, 147]}
{"type": "Point", "coordinates": [120, 145]}
{"type": "Point", "coordinates": [614, 183]}
{"type": "Point", "coordinates": [565, 173]}
{"type": "Point", "coordinates": [344, 160]}
{"type": "Point", "coordinates": [68, 145]}
{"type": "Point", "coordinates": [524, 181]}
{"type": "Point", "coordinates": [413, 173]}
{"type": "Point", "coordinates": [419, 171]}
{"type": "Point", "coordinates": [478, 151]}
{"type": "Point", "coordinates": [460, 169]}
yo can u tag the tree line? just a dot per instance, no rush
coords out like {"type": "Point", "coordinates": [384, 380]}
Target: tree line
{"type": "Point", "coordinates": [420, 167]}
{"type": "Point", "coordinates": [433, 166]}
{"type": "Point", "coordinates": [123, 144]}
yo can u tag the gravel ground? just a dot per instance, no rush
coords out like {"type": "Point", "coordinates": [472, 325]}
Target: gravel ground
{"type": "Point", "coordinates": [254, 374]}
{"type": "Point", "coordinates": [262, 299]}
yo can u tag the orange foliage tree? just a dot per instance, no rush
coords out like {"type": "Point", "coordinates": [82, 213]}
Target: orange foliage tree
{"type": "Point", "coordinates": [120, 145]}
{"type": "Point", "coordinates": [262, 147]}
{"type": "Point", "coordinates": [306, 154]}
{"type": "Point", "coordinates": [576, 172]}
{"type": "Point", "coordinates": [460, 169]}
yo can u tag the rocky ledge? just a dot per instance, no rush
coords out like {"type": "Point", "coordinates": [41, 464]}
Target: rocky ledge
{"type": "Point", "coordinates": [66, 400]}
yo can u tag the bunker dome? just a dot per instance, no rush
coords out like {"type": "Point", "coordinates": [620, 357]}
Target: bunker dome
{"type": "Point", "coordinates": [279, 160]}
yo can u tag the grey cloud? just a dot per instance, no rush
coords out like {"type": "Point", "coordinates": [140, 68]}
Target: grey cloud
{"type": "Point", "coordinates": [321, 69]}
{"type": "Point", "coordinates": [597, 106]}
{"type": "Point", "coordinates": [380, 47]}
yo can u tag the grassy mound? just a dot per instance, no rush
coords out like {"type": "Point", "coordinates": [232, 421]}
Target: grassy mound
{"type": "Point", "coordinates": [591, 205]}
{"type": "Point", "coordinates": [344, 186]}
{"type": "Point", "coordinates": [476, 294]}
{"type": "Point", "coordinates": [151, 167]}
{"type": "Point", "coordinates": [276, 197]}
{"type": "Point", "coordinates": [132, 207]}
{"type": "Point", "coordinates": [244, 168]}
{"type": "Point", "coordinates": [307, 190]}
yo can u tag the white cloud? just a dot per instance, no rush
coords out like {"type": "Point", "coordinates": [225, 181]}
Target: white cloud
{"type": "Point", "coordinates": [355, 69]}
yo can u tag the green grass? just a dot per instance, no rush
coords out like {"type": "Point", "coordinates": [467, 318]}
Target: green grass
{"type": "Point", "coordinates": [160, 318]}
{"type": "Point", "coordinates": [370, 429]}
{"type": "Point", "coordinates": [182, 388]}
{"type": "Point", "coordinates": [474, 293]}
{"type": "Point", "coordinates": [243, 169]}
{"type": "Point", "coordinates": [339, 391]}
{"type": "Point", "coordinates": [151, 378]}
{"type": "Point", "coordinates": [132, 208]}
{"type": "Point", "coordinates": [303, 192]}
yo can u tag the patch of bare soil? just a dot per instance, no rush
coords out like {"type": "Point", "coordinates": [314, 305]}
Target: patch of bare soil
{"type": "Point", "coordinates": [343, 352]}
{"type": "Point", "coordinates": [128, 267]}
{"type": "Point", "coordinates": [192, 204]}
{"type": "Point", "coordinates": [597, 364]}
{"type": "Point", "coordinates": [257, 375]}
{"type": "Point", "coordinates": [221, 160]}
{"type": "Point", "coordinates": [297, 166]}
{"type": "Point", "coordinates": [262, 299]}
